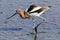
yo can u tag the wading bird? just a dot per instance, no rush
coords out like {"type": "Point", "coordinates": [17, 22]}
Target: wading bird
{"type": "Point", "coordinates": [31, 12]}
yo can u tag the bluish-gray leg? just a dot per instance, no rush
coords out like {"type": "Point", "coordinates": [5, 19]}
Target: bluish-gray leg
{"type": "Point", "coordinates": [45, 20]}
{"type": "Point", "coordinates": [34, 26]}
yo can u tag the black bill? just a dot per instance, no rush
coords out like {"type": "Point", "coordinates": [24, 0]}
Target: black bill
{"type": "Point", "coordinates": [12, 16]}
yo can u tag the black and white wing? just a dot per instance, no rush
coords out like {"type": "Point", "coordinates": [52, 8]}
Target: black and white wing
{"type": "Point", "coordinates": [37, 10]}
{"type": "Point", "coordinates": [30, 8]}
{"type": "Point", "coordinates": [33, 8]}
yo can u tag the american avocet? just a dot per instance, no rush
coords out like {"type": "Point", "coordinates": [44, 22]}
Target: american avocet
{"type": "Point", "coordinates": [31, 12]}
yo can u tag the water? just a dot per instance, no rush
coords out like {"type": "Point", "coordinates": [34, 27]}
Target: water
{"type": "Point", "coordinates": [12, 29]}
{"type": "Point", "coordinates": [46, 31]}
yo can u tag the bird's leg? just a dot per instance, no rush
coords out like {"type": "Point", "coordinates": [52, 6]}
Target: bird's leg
{"type": "Point", "coordinates": [33, 23]}
{"type": "Point", "coordinates": [45, 20]}
{"type": "Point", "coordinates": [34, 28]}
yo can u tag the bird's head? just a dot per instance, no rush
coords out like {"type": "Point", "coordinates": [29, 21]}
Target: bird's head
{"type": "Point", "coordinates": [21, 13]}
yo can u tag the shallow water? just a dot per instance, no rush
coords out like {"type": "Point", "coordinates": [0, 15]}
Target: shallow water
{"type": "Point", "coordinates": [46, 31]}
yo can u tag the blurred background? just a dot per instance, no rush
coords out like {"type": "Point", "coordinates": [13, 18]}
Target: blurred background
{"type": "Point", "coordinates": [46, 31]}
